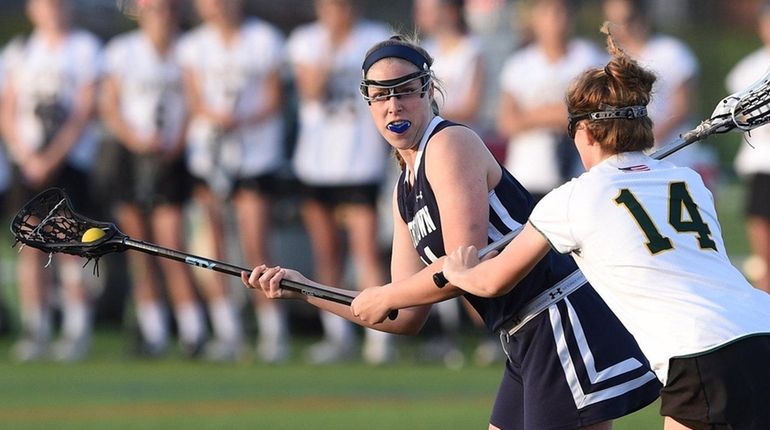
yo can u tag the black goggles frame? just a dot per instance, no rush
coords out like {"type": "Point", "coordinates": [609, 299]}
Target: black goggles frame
{"type": "Point", "coordinates": [609, 112]}
{"type": "Point", "coordinates": [391, 85]}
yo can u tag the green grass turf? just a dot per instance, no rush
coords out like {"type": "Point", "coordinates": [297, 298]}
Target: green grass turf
{"type": "Point", "coordinates": [110, 389]}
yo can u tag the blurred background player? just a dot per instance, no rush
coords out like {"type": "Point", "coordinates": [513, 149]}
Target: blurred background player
{"type": "Point", "coordinates": [340, 160]}
{"type": "Point", "coordinates": [532, 112]}
{"type": "Point", "coordinates": [753, 160]}
{"type": "Point", "coordinates": [144, 108]}
{"type": "Point", "coordinates": [460, 67]}
{"type": "Point", "coordinates": [677, 69]}
{"type": "Point", "coordinates": [233, 83]}
{"type": "Point", "coordinates": [46, 114]}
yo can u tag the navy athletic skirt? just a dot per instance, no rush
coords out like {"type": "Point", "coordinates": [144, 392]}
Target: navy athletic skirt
{"type": "Point", "coordinates": [572, 366]}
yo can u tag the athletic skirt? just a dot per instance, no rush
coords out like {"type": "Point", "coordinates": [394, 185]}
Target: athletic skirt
{"type": "Point", "coordinates": [572, 366]}
{"type": "Point", "coordinates": [150, 181]}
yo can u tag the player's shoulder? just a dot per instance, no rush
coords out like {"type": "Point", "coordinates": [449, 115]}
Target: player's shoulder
{"type": "Point", "coordinates": [748, 69]}
{"type": "Point", "coordinates": [123, 40]}
{"type": "Point", "coordinates": [374, 29]}
{"type": "Point", "coordinates": [257, 27]}
{"type": "Point", "coordinates": [455, 144]}
{"type": "Point", "coordinates": [664, 46]}
{"type": "Point", "coordinates": [306, 31]}
{"type": "Point", "coordinates": [84, 40]}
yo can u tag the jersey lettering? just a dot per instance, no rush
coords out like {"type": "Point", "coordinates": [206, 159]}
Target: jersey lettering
{"type": "Point", "coordinates": [679, 202]}
{"type": "Point", "coordinates": [421, 225]}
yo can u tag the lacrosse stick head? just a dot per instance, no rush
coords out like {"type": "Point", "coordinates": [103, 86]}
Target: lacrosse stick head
{"type": "Point", "coordinates": [744, 110]}
{"type": "Point", "coordinates": [48, 223]}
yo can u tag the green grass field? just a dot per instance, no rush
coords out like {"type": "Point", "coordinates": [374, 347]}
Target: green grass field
{"type": "Point", "coordinates": [112, 390]}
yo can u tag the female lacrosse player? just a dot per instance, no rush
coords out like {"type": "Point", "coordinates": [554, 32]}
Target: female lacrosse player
{"type": "Point", "coordinates": [753, 161]}
{"type": "Point", "coordinates": [646, 234]}
{"type": "Point", "coordinates": [47, 122]}
{"type": "Point", "coordinates": [340, 161]}
{"type": "Point", "coordinates": [233, 84]}
{"type": "Point", "coordinates": [573, 366]}
{"type": "Point", "coordinates": [143, 106]}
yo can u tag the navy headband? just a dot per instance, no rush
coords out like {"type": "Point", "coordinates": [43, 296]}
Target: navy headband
{"type": "Point", "coordinates": [398, 51]}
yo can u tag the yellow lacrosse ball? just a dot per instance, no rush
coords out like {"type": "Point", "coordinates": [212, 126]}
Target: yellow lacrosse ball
{"type": "Point", "coordinates": [92, 234]}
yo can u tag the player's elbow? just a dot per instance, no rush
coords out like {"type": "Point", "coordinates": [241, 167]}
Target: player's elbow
{"type": "Point", "coordinates": [410, 321]}
{"type": "Point", "coordinates": [490, 291]}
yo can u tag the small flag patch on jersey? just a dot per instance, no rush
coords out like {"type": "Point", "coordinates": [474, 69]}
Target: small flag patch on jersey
{"type": "Point", "coordinates": [637, 168]}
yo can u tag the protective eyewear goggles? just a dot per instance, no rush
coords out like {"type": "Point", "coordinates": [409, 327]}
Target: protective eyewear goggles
{"type": "Point", "coordinates": [607, 112]}
{"type": "Point", "coordinates": [407, 85]}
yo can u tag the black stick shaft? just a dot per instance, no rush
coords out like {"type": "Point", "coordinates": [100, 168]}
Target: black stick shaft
{"type": "Point", "coordinates": [229, 269]}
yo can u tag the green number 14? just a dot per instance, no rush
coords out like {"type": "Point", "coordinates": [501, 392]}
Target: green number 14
{"type": "Point", "coordinates": [679, 201]}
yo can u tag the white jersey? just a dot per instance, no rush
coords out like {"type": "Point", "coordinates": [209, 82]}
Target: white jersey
{"type": "Point", "coordinates": [645, 234]}
{"type": "Point", "coordinates": [454, 68]}
{"type": "Point", "coordinates": [534, 81]}
{"type": "Point", "coordinates": [152, 98]}
{"type": "Point", "coordinates": [338, 143]}
{"type": "Point", "coordinates": [232, 77]}
{"type": "Point", "coordinates": [49, 78]}
{"type": "Point", "coordinates": [753, 158]}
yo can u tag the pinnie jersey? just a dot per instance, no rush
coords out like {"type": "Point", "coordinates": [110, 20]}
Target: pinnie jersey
{"type": "Point", "coordinates": [509, 207]}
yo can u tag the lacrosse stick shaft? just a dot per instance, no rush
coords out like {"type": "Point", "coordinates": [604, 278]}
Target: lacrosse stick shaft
{"type": "Point", "coordinates": [229, 269]}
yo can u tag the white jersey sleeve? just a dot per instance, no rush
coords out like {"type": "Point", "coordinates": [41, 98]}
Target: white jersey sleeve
{"type": "Point", "coordinates": [551, 218]}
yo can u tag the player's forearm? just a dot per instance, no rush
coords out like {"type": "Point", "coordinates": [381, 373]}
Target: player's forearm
{"type": "Point", "coordinates": [419, 289]}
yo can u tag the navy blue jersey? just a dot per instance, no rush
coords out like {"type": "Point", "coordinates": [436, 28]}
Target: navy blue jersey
{"type": "Point", "coordinates": [509, 207]}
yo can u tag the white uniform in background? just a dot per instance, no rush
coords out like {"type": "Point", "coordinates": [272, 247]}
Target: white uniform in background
{"type": "Point", "coordinates": [148, 82]}
{"type": "Point", "coordinates": [668, 280]}
{"type": "Point", "coordinates": [532, 80]}
{"type": "Point", "coordinates": [226, 72]}
{"type": "Point", "coordinates": [45, 75]}
{"type": "Point", "coordinates": [338, 143]}
{"type": "Point", "coordinates": [454, 69]}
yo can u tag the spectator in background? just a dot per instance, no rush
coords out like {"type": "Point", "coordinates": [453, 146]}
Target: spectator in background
{"type": "Point", "coordinates": [340, 159]}
{"type": "Point", "coordinates": [677, 69]}
{"type": "Point", "coordinates": [233, 83]}
{"type": "Point", "coordinates": [459, 66]}
{"type": "Point", "coordinates": [532, 113]}
{"type": "Point", "coordinates": [143, 106]}
{"type": "Point", "coordinates": [46, 114]}
{"type": "Point", "coordinates": [494, 23]}
{"type": "Point", "coordinates": [753, 161]}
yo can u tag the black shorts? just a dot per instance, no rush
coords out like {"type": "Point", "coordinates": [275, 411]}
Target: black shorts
{"type": "Point", "coordinates": [572, 366]}
{"type": "Point", "coordinates": [76, 184]}
{"type": "Point", "coordinates": [726, 388]}
{"type": "Point", "coordinates": [267, 184]}
{"type": "Point", "coordinates": [338, 195]}
{"type": "Point", "coordinates": [757, 202]}
{"type": "Point", "coordinates": [149, 182]}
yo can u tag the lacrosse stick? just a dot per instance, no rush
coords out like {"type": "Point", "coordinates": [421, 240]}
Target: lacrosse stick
{"type": "Point", "coordinates": [743, 111]}
{"type": "Point", "coordinates": [49, 224]}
